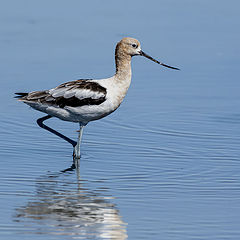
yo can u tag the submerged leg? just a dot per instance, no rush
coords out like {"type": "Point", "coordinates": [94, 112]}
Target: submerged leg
{"type": "Point", "coordinates": [40, 124]}
{"type": "Point", "coordinates": [76, 154]}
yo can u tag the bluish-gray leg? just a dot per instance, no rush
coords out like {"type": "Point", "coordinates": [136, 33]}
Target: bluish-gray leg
{"type": "Point", "coordinates": [77, 152]}
{"type": "Point", "coordinates": [40, 124]}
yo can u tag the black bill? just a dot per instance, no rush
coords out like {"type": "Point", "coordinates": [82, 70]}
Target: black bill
{"type": "Point", "coordinates": [154, 60]}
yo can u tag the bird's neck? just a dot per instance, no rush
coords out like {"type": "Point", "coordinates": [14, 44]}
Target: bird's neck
{"type": "Point", "coordinates": [123, 67]}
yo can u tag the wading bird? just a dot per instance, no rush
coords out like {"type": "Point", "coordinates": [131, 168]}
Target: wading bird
{"type": "Point", "coordinates": [86, 100]}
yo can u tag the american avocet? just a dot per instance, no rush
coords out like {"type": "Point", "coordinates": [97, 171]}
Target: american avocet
{"type": "Point", "coordinates": [86, 100]}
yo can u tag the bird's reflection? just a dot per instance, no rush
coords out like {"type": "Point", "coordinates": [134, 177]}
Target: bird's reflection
{"type": "Point", "coordinates": [64, 206]}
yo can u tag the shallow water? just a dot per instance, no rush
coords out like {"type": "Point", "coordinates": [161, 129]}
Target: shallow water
{"type": "Point", "coordinates": [165, 165]}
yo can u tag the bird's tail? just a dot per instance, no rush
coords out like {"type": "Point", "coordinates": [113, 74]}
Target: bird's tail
{"type": "Point", "coordinates": [20, 95]}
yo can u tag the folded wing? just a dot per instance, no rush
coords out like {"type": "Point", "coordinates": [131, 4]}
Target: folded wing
{"type": "Point", "coordinates": [73, 94]}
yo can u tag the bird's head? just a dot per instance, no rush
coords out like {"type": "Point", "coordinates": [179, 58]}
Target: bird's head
{"type": "Point", "coordinates": [129, 47]}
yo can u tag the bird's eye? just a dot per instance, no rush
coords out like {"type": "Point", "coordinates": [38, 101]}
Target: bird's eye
{"type": "Point", "coordinates": [134, 45]}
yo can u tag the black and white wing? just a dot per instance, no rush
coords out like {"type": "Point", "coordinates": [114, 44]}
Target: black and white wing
{"type": "Point", "coordinates": [72, 94]}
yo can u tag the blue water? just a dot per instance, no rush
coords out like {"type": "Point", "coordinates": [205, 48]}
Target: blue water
{"type": "Point", "coordinates": [165, 165]}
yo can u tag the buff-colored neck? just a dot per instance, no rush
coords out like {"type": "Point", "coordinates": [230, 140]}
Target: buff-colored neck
{"type": "Point", "coordinates": [123, 64]}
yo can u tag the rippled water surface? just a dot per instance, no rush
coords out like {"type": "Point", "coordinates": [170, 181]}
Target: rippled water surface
{"type": "Point", "coordinates": [165, 165]}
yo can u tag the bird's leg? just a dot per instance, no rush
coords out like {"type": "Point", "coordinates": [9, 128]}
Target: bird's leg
{"type": "Point", "coordinates": [76, 154]}
{"type": "Point", "coordinates": [40, 124]}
